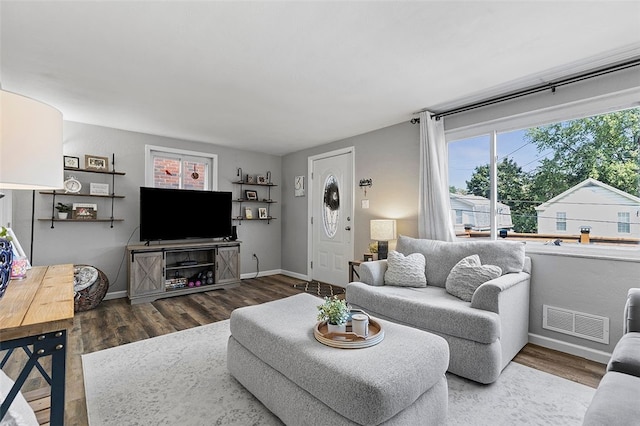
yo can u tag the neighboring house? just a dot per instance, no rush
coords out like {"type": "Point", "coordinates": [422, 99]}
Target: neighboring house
{"type": "Point", "coordinates": [473, 211]}
{"type": "Point", "coordinates": [608, 211]}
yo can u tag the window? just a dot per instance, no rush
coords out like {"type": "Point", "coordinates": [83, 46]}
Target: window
{"type": "Point", "coordinates": [458, 217]}
{"type": "Point", "coordinates": [560, 177]}
{"type": "Point", "coordinates": [561, 221]}
{"type": "Point", "coordinates": [624, 223]}
{"type": "Point", "coordinates": [180, 169]}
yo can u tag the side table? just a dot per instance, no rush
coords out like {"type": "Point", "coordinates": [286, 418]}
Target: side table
{"type": "Point", "coordinates": [35, 314]}
{"type": "Point", "coordinates": [352, 269]}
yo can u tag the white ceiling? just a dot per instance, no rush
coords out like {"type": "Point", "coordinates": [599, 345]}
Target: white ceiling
{"type": "Point", "coordinates": [277, 77]}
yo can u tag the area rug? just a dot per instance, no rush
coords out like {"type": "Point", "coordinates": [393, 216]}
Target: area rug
{"type": "Point", "coordinates": [181, 378]}
{"type": "Point", "coordinates": [321, 289]}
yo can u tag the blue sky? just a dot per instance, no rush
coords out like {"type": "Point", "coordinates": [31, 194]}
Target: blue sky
{"type": "Point", "coordinates": [465, 155]}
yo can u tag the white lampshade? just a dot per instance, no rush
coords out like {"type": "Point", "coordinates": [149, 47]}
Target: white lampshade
{"type": "Point", "coordinates": [30, 144]}
{"type": "Point", "coordinates": [383, 229]}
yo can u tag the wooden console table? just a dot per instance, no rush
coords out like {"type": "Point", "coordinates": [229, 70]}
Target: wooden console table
{"type": "Point", "coordinates": [35, 314]}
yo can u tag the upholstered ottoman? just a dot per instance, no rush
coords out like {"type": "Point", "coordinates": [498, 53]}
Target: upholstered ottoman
{"type": "Point", "coordinates": [272, 352]}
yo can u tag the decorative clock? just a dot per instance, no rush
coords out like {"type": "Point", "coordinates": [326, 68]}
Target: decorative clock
{"type": "Point", "coordinates": [72, 185]}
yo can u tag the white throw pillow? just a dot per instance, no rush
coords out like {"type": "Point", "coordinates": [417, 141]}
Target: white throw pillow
{"type": "Point", "coordinates": [468, 275]}
{"type": "Point", "coordinates": [405, 271]}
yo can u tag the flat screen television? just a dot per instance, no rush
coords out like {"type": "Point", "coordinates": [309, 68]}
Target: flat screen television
{"type": "Point", "coordinates": [177, 214]}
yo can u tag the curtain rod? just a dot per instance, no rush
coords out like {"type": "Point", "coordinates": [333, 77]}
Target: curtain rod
{"type": "Point", "coordinates": [553, 85]}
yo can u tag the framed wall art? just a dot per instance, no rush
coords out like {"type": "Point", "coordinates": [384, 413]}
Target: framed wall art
{"type": "Point", "coordinates": [84, 211]}
{"type": "Point", "coordinates": [298, 186]}
{"type": "Point", "coordinates": [96, 163]}
{"type": "Point", "coordinates": [71, 162]}
{"type": "Point", "coordinates": [98, 188]}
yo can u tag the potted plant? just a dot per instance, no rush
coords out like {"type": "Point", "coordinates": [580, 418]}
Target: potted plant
{"type": "Point", "coordinates": [63, 210]}
{"type": "Point", "coordinates": [335, 312]}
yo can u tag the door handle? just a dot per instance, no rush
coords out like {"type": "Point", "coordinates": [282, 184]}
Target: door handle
{"type": "Point", "coordinates": [347, 228]}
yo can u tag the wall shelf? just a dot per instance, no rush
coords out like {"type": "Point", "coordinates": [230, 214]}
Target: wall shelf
{"type": "Point", "coordinates": [70, 194]}
{"type": "Point", "coordinates": [263, 193]}
{"type": "Point", "coordinates": [112, 196]}
{"type": "Point", "coordinates": [104, 172]}
{"type": "Point", "coordinates": [53, 219]}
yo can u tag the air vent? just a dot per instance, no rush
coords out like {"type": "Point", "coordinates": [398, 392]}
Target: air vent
{"type": "Point", "coordinates": [579, 324]}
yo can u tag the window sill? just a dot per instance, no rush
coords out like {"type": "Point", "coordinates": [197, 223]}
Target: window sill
{"type": "Point", "coordinates": [626, 254]}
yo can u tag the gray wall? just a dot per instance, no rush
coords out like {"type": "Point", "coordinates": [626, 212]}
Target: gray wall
{"type": "Point", "coordinates": [592, 284]}
{"type": "Point", "coordinates": [99, 245]}
{"type": "Point", "coordinates": [389, 157]}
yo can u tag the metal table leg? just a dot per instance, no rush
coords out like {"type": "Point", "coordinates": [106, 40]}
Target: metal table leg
{"type": "Point", "coordinates": [49, 344]}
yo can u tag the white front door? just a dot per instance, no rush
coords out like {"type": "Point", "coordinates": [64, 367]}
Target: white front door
{"type": "Point", "coordinates": [332, 216]}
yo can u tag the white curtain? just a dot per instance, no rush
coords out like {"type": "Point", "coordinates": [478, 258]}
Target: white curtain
{"type": "Point", "coordinates": [434, 210]}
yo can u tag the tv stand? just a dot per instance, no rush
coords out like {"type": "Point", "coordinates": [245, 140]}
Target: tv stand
{"type": "Point", "coordinates": [167, 270]}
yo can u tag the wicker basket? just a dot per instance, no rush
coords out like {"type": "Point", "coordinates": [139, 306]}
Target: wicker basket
{"type": "Point", "coordinates": [91, 296]}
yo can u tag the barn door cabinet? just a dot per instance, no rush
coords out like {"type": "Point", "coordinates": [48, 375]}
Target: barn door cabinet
{"type": "Point", "coordinates": [167, 270]}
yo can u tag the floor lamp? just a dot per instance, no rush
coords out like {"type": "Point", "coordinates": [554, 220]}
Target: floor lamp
{"type": "Point", "coordinates": [383, 230]}
{"type": "Point", "coordinates": [30, 145]}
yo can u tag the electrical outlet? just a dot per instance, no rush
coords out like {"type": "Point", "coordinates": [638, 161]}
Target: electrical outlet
{"type": "Point", "coordinates": [365, 204]}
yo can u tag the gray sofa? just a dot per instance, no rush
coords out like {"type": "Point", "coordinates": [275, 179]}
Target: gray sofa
{"type": "Point", "coordinates": [484, 334]}
{"type": "Point", "coordinates": [617, 399]}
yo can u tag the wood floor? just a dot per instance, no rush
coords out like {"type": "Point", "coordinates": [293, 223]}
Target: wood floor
{"type": "Point", "coordinates": [115, 322]}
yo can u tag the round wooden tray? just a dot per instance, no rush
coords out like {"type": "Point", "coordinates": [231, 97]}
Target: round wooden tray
{"type": "Point", "coordinates": [349, 340]}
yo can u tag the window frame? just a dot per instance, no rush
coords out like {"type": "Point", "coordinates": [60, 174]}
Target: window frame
{"type": "Point", "coordinates": [211, 184]}
{"type": "Point", "coordinates": [626, 223]}
{"type": "Point", "coordinates": [535, 118]}
{"type": "Point", "coordinates": [561, 219]}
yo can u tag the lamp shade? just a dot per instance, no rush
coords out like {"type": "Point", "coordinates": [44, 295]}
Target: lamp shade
{"type": "Point", "coordinates": [383, 229]}
{"type": "Point", "coordinates": [30, 144]}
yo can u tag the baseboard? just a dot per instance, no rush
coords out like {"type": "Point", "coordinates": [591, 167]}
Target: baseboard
{"type": "Point", "coordinates": [295, 275]}
{"type": "Point", "coordinates": [570, 348]}
{"type": "Point", "coordinates": [260, 274]}
{"type": "Point", "coordinates": [115, 295]}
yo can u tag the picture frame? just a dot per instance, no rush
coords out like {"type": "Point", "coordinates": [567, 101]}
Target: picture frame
{"type": "Point", "coordinates": [84, 211]}
{"type": "Point", "coordinates": [98, 188]}
{"type": "Point", "coordinates": [248, 213]}
{"type": "Point", "coordinates": [250, 179]}
{"type": "Point", "coordinates": [262, 180]}
{"type": "Point", "coordinates": [251, 195]}
{"type": "Point", "coordinates": [262, 213]}
{"type": "Point", "coordinates": [71, 162]}
{"type": "Point", "coordinates": [93, 162]}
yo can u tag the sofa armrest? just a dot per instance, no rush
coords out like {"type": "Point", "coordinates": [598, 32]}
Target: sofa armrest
{"type": "Point", "coordinates": [632, 311]}
{"type": "Point", "coordinates": [372, 273]}
{"type": "Point", "coordinates": [486, 296]}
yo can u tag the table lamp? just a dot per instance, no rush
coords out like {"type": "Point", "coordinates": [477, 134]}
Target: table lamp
{"type": "Point", "coordinates": [383, 230]}
{"type": "Point", "coordinates": [30, 144]}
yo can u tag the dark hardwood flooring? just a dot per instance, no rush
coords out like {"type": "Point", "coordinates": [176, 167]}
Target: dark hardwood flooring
{"type": "Point", "coordinates": [115, 322]}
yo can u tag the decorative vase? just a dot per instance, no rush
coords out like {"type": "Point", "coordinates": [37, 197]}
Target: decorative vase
{"type": "Point", "coordinates": [6, 259]}
{"type": "Point", "coordinates": [334, 328]}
